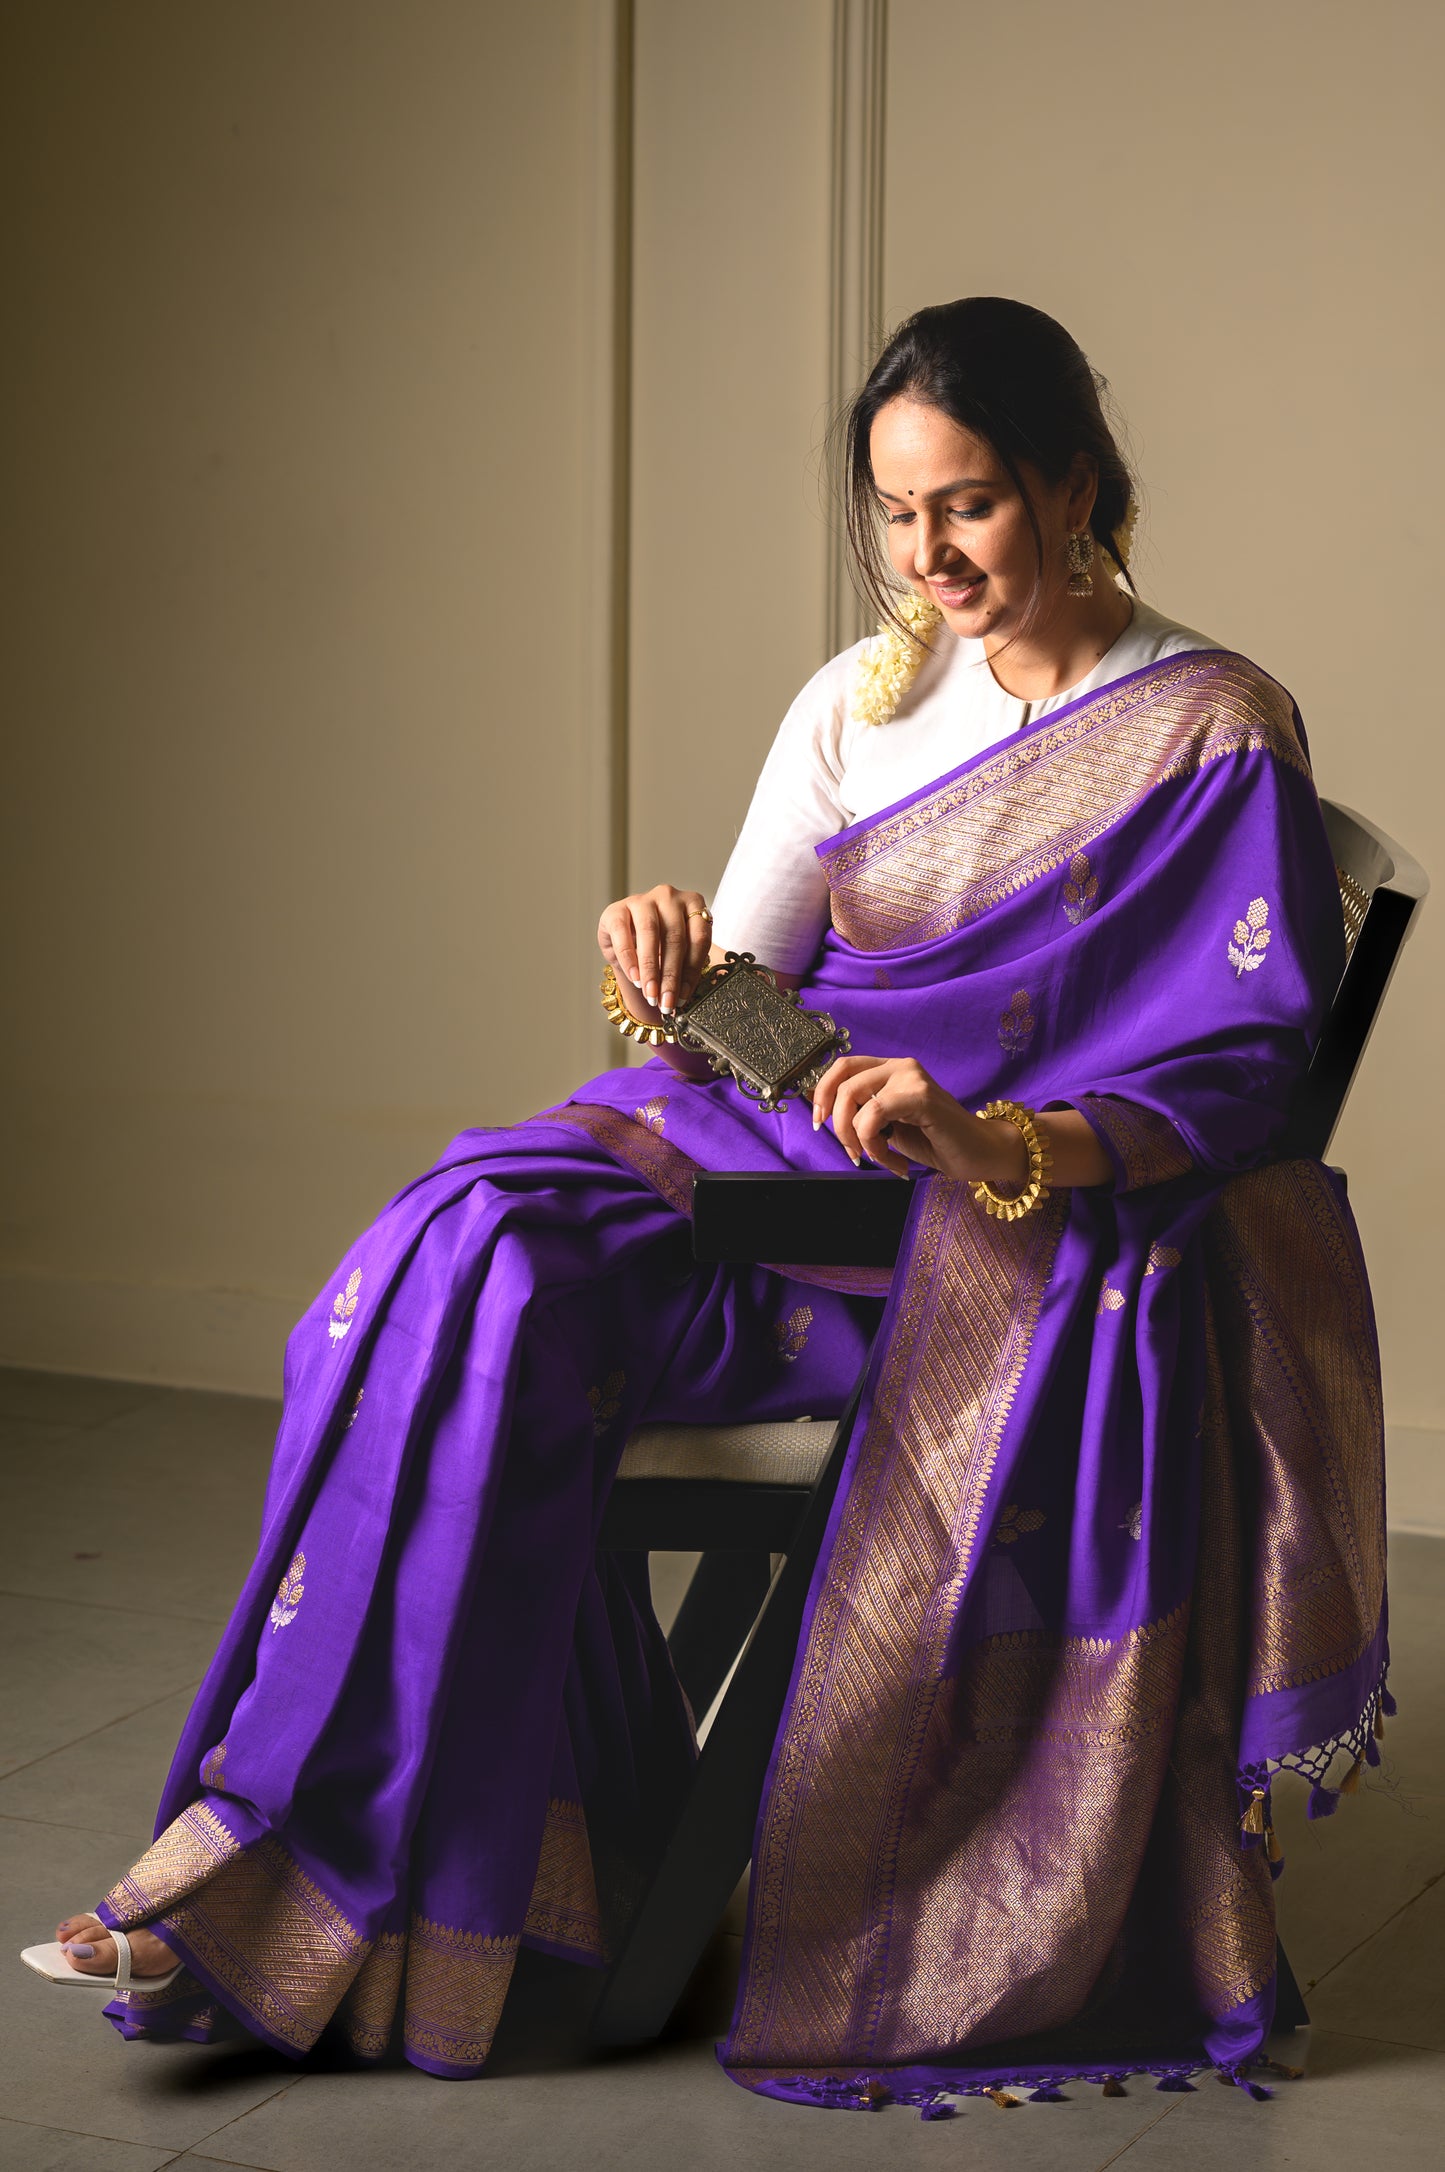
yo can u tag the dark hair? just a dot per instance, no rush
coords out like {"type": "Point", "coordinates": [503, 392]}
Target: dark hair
{"type": "Point", "coordinates": [1011, 376]}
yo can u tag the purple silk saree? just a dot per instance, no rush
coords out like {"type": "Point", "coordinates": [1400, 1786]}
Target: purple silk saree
{"type": "Point", "coordinates": [1108, 1551]}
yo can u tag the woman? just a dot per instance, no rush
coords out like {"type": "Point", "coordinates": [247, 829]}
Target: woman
{"type": "Point", "coordinates": [1108, 1549]}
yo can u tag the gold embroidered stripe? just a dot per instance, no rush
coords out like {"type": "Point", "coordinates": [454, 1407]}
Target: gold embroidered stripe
{"type": "Point", "coordinates": [1297, 1343]}
{"type": "Point", "coordinates": [667, 1169]}
{"type": "Point", "coordinates": [1147, 1144]}
{"type": "Point", "coordinates": [456, 1984]}
{"type": "Point", "coordinates": [563, 1908]}
{"type": "Point", "coordinates": [282, 1954]}
{"type": "Point", "coordinates": [870, 1675]}
{"type": "Point", "coordinates": [184, 1856]}
{"type": "Point", "coordinates": [366, 2014]}
{"type": "Point", "coordinates": [935, 866]}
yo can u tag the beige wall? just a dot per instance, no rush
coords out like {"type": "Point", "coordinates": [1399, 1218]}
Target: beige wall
{"type": "Point", "coordinates": [1236, 210]}
{"type": "Point", "coordinates": [306, 340]}
{"type": "Point", "coordinates": [730, 391]}
{"type": "Point", "coordinates": [313, 361]}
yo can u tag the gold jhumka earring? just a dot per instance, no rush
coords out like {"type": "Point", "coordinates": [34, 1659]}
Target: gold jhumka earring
{"type": "Point", "coordinates": [1080, 558]}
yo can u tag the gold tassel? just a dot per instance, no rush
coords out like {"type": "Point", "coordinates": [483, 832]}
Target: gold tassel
{"type": "Point", "coordinates": [1001, 2097]}
{"type": "Point", "coordinates": [1272, 1846]}
{"type": "Point", "coordinates": [1114, 2088]}
{"type": "Point", "coordinates": [1290, 2073]}
{"type": "Point", "coordinates": [1253, 1819]}
{"type": "Point", "coordinates": [1351, 1781]}
{"type": "Point", "coordinates": [1379, 1724]}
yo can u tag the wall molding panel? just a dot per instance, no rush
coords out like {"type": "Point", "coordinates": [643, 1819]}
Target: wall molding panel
{"type": "Point", "coordinates": [855, 251]}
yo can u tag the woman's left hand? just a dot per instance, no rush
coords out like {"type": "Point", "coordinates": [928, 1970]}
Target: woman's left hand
{"type": "Point", "coordinates": [889, 1109]}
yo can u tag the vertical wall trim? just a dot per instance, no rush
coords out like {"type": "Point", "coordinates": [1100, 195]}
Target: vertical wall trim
{"type": "Point", "coordinates": [620, 599]}
{"type": "Point", "coordinates": [855, 297]}
{"type": "Point", "coordinates": [607, 359]}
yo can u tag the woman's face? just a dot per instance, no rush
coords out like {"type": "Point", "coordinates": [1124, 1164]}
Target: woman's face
{"type": "Point", "coordinates": [958, 530]}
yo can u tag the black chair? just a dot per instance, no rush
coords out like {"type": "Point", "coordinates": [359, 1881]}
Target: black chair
{"type": "Point", "coordinates": [743, 1495]}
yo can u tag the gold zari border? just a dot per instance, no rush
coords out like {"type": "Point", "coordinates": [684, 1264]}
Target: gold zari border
{"type": "Point", "coordinates": [1297, 1345]}
{"type": "Point", "coordinates": [456, 1985]}
{"type": "Point", "coordinates": [935, 866]}
{"type": "Point", "coordinates": [190, 1850]}
{"type": "Point", "coordinates": [667, 1169]}
{"type": "Point", "coordinates": [1147, 1144]}
{"type": "Point", "coordinates": [871, 1669]}
{"type": "Point", "coordinates": [563, 1908]}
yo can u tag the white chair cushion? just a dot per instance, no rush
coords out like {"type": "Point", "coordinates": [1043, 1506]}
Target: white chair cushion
{"type": "Point", "coordinates": [788, 1454]}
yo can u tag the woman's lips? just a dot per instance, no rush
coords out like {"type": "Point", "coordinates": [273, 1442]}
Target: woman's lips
{"type": "Point", "coordinates": [954, 594]}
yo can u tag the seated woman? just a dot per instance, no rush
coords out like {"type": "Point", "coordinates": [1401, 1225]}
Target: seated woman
{"type": "Point", "coordinates": [1108, 1547]}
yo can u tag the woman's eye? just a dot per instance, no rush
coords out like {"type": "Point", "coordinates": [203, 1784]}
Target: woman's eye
{"type": "Point", "coordinates": [894, 518]}
{"type": "Point", "coordinates": [971, 512]}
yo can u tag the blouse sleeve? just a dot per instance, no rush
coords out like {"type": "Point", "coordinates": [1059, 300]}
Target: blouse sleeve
{"type": "Point", "coordinates": [773, 897]}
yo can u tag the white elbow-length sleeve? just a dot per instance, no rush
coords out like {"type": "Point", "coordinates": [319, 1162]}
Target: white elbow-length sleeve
{"type": "Point", "coordinates": [773, 899]}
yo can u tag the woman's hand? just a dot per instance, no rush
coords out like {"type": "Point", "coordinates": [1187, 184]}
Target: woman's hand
{"type": "Point", "coordinates": [659, 941]}
{"type": "Point", "coordinates": [889, 1108]}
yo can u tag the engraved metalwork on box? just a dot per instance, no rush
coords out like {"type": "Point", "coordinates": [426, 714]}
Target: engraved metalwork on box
{"type": "Point", "coordinates": [749, 1027]}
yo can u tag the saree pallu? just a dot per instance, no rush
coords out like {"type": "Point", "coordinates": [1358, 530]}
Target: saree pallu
{"type": "Point", "coordinates": [1107, 1553]}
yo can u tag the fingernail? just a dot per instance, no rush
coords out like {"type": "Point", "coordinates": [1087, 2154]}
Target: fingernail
{"type": "Point", "coordinates": [817, 1119]}
{"type": "Point", "coordinates": [82, 1953]}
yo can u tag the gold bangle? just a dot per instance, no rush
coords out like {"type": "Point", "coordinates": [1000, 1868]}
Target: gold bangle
{"type": "Point", "coordinates": [1013, 1208]}
{"type": "Point", "coordinates": [631, 1029]}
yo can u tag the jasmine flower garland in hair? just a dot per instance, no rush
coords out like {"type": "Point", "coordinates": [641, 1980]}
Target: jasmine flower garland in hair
{"type": "Point", "coordinates": [890, 661]}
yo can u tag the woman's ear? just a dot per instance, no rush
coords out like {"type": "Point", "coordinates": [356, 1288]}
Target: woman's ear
{"type": "Point", "coordinates": [1083, 484]}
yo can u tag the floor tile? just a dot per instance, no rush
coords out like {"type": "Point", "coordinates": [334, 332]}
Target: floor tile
{"type": "Point", "coordinates": [59, 2051]}
{"type": "Point", "coordinates": [72, 1669]}
{"type": "Point", "coordinates": [653, 2113]}
{"type": "Point", "coordinates": [1393, 1987]}
{"type": "Point", "coordinates": [45, 2149]}
{"type": "Point", "coordinates": [1345, 1876]}
{"type": "Point", "coordinates": [1358, 2098]}
{"type": "Point", "coordinates": [159, 1507]}
{"type": "Point", "coordinates": [1415, 1738]}
{"type": "Point", "coordinates": [110, 1781]}
{"type": "Point", "coordinates": [69, 1398]}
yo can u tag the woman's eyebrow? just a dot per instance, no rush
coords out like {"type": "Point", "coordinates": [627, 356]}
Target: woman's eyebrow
{"type": "Point", "coordinates": [947, 490]}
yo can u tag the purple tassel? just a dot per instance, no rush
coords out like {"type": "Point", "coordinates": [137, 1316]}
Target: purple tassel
{"type": "Point", "coordinates": [1175, 2082]}
{"type": "Point", "coordinates": [1372, 1751]}
{"type": "Point", "coordinates": [1276, 1868]}
{"type": "Point", "coordinates": [1048, 2096]}
{"type": "Point", "coordinates": [1387, 1704]}
{"type": "Point", "coordinates": [1323, 1802]}
{"type": "Point", "coordinates": [940, 2110]}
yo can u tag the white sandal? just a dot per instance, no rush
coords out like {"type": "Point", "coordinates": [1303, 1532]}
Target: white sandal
{"type": "Point", "coordinates": [51, 1962]}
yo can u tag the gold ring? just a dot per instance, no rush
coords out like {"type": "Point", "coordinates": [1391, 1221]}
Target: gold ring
{"type": "Point", "coordinates": [698, 912]}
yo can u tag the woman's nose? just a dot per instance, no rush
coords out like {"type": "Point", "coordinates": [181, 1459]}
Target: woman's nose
{"type": "Point", "coordinates": [933, 548]}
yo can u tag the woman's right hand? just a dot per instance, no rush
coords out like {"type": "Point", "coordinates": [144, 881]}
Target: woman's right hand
{"type": "Point", "coordinates": [659, 941]}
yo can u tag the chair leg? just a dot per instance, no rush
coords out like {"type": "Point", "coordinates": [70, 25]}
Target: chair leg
{"type": "Point", "coordinates": [718, 1609]}
{"type": "Point", "coordinates": [713, 1838]}
{"type": "Point", "coordinates": [1290, 2011]}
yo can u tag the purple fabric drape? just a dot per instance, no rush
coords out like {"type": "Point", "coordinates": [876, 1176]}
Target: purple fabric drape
{"type": "Point", "coordinates": [1108, 1549]}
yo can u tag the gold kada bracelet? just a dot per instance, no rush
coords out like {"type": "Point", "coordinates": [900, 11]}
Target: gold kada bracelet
{"type": "Point", "coordinates": [631, 1029]}
{"type": "Point", "coordinates": [1013, 1208]}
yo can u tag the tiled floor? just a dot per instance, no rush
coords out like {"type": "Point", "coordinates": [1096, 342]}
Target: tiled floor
{"type": "Point", "coordinates": [127, 1518]}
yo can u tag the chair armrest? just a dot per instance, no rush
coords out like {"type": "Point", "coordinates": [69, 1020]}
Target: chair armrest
{"type": "Point", "coordinates": [852, 1220]}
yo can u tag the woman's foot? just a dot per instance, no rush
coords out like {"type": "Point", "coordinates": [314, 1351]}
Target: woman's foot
{"type": "Point", "coordinates": [91, 1950]}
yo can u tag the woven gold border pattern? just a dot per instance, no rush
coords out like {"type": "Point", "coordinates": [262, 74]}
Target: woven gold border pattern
{"type": "Point", "coordinates": [935, 866]}
{"type": "Point", "coordinates": [871, 1667]}
{"type": "Point", "coordinates": [667, 1169]}
{"type": "Point", "coordinates": [563, 1907]}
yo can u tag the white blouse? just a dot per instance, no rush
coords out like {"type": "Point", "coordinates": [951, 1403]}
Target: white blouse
{"type": "Point", "coordinates": [826, 770]}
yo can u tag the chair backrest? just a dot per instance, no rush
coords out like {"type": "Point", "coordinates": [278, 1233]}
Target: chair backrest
{"type": "Point", "coordinates": [1381, 891]}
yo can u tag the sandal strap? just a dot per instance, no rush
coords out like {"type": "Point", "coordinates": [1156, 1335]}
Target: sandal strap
{"type": "Point", "coordinates": [122, 1964]}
